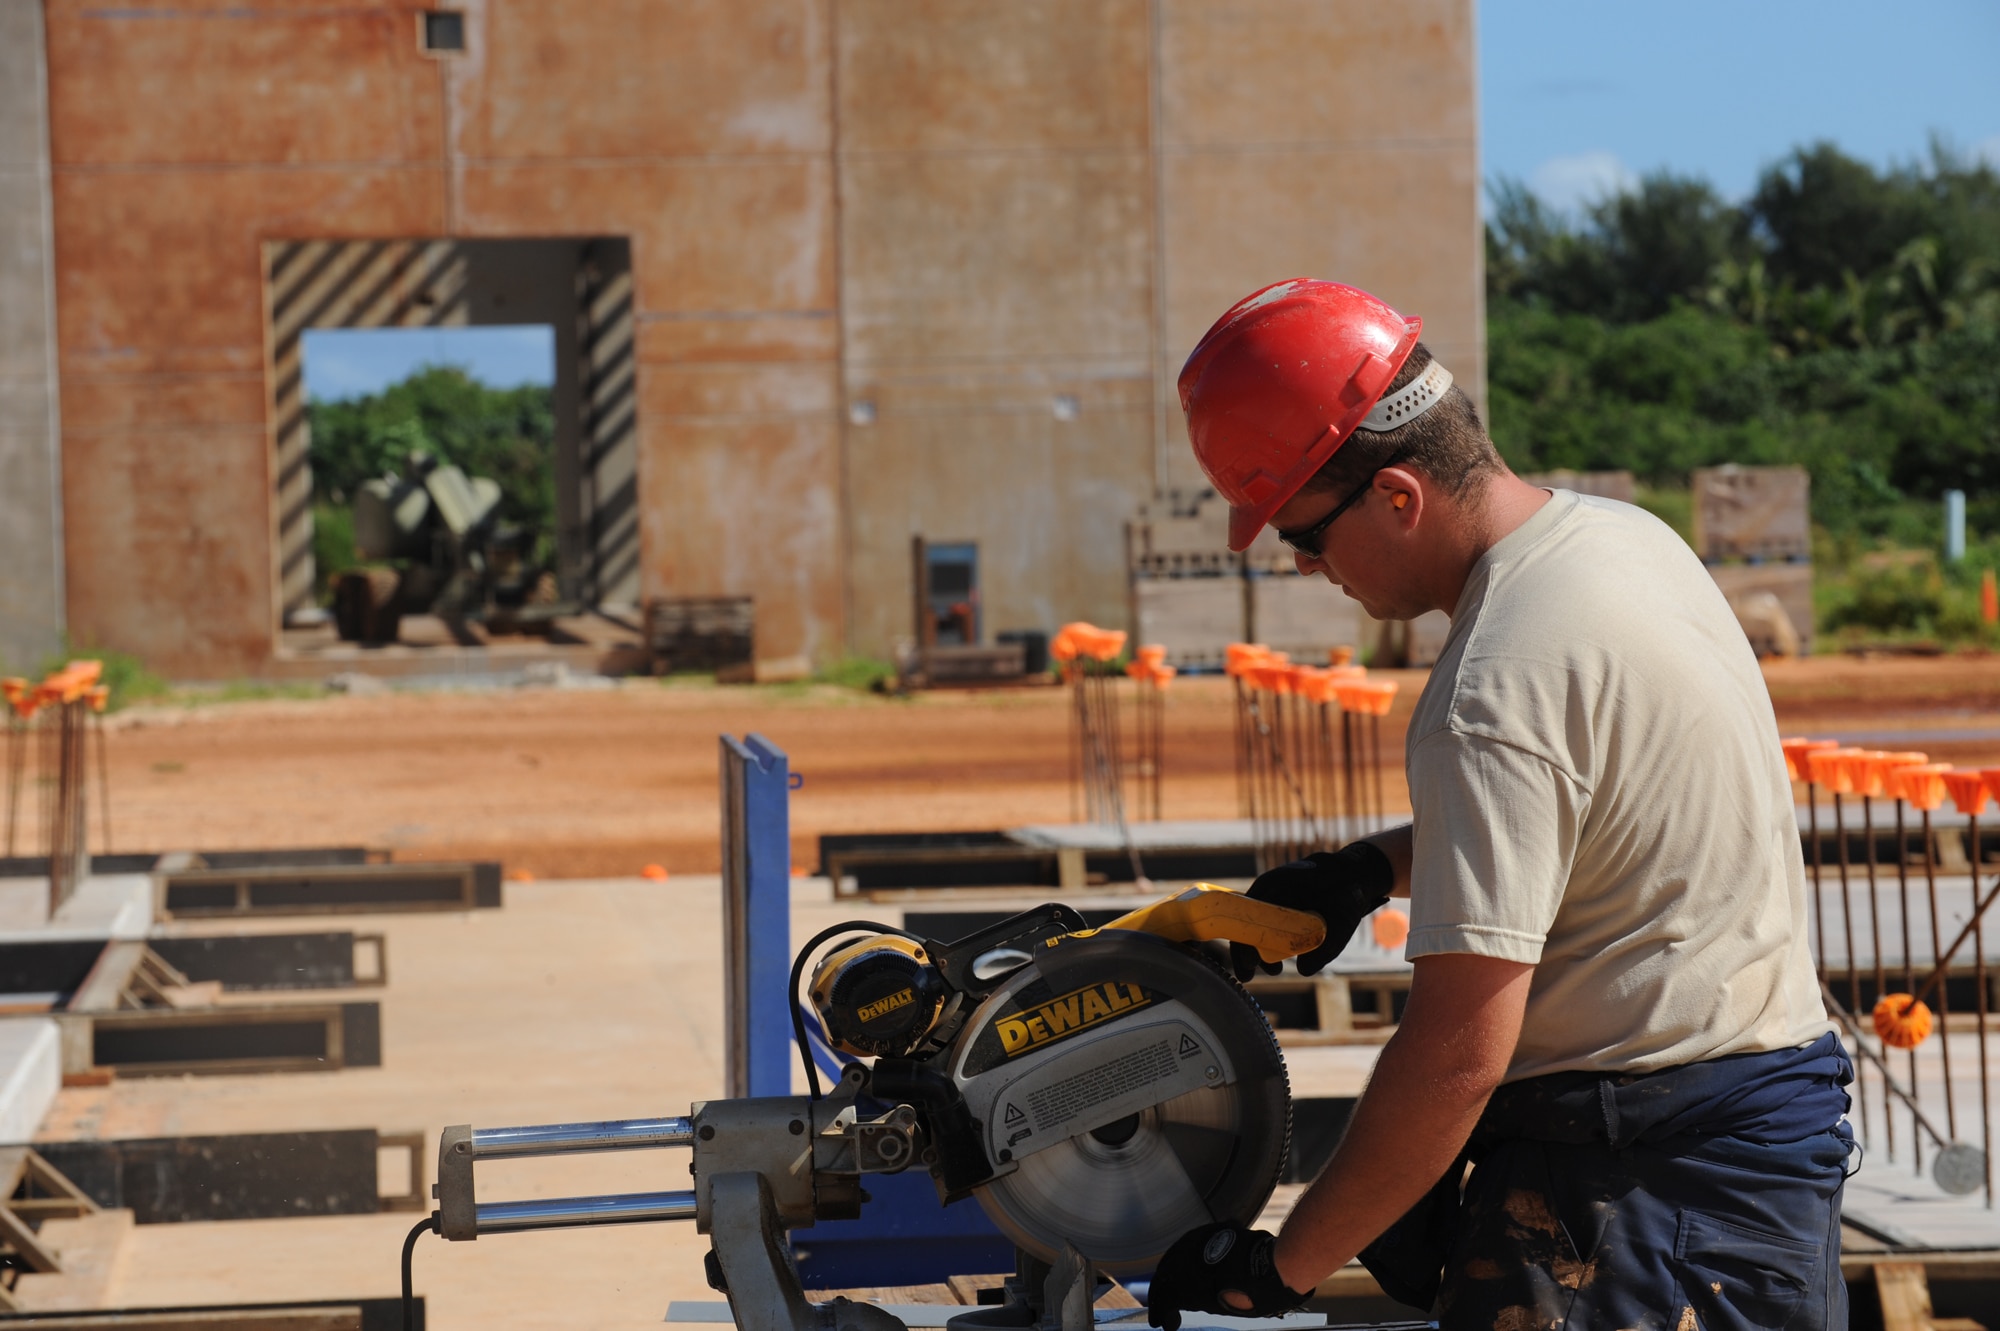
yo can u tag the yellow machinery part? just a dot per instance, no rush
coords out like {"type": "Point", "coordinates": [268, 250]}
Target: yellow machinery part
{"type": "Point", "coordinates": [1206, 912]}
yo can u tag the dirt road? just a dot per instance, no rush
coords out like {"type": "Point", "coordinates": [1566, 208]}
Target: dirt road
{"type": "Point", "coordinates": [580, 783]}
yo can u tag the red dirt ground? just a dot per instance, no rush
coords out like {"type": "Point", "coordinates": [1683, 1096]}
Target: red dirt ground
{"type": "Point", "coordinates": [597, 783]}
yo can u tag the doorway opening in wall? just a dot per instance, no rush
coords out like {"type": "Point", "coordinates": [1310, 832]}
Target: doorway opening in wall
{"type": "Point", "coordinates": [433, 465]}
{"type": "Point", "coordinates": [455, 447]}
{"type": "Point", "coordinates": [951, 590]}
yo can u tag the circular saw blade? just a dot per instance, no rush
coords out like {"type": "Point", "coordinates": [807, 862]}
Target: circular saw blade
{"type": "Point", "coordinates": [1122, 1194]}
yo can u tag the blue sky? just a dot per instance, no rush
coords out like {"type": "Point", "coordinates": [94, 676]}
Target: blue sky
{"type": "Point", "coordinates": [1576, 96]}
{"type": "Point", "coordinates": [349, 362]}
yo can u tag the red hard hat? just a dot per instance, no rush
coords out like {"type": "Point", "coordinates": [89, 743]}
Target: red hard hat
{"type": "Point", "coordinates": [1279, 383]}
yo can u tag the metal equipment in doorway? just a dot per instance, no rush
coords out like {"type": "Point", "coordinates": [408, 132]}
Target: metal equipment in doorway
{"type": "Point", "coordinates": [430, 524]}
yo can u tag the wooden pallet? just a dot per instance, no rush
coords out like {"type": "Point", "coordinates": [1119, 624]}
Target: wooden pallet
{"type": "Point", "coordinates": [34, 1192]}
{"type": "Point", "coordinates": [194, 893]}
{"type": "Point", "coordinates": [1348, 1009]}
{"type": "Point", "coordinates": [134, 1015]}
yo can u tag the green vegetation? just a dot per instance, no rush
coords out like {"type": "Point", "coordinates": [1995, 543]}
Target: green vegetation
{"type": "Point", "coordinates": [857, 672]}
{"type": "Point", "coordinates": [127, 676]}
{"type": "Point", "coordinates": [1840, 318]}
{"type": "Point", "coordinates": [507, 434]}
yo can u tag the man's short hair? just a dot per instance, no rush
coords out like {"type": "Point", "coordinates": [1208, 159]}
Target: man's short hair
{"type": "Point", "coordinates": [1446, 443]}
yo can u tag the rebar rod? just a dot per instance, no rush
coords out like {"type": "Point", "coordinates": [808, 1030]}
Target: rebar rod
{"type": "Point", "coordinates": [1847, 920]}
{"type": "Point", "coordinates": [1909, 955]}
{"type": "Point", "coordinates": [1819, 895]}
{"type": "Point", "coordinates": [1875, 948]}
{"type": "Point", "coordinates": [17, 755]}
{"type": "Point", "coordinates": [103, 781]}
{"type": "Point", "coordinates": [1375, 757]}
{"type": "Point", "coordinates": [1979, 982]}
{"type": "Point", "coordinates": [1943, 995]}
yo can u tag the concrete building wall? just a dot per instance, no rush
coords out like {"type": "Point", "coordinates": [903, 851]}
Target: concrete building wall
{"type": "Point", "coordinates": [31, 591]}
{"type": "Point", "coordinates": [897, 265]}
{"type": "Point", "coordinates": [1318, 138]}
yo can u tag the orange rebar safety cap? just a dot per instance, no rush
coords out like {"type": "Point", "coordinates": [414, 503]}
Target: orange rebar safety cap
{"type": "Point", "coordinates": [1796, 750]}
{"type": "Point", "coordinates": [1921, 784]}
{"type": "Point", "coordinates": [1967, 790]}
{"type": "Point", "coordinates": [1082, 639]}
{"type": "Point", "coordinates": [1828, 767]}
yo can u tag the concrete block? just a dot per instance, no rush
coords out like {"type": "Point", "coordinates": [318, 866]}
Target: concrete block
{"type": "Point", "coordinates": [30, 1074]}
{"type": "Point", "coordinates": [330, 85]}
{"type": "Point", "coordinates": [790, 388]}
{"type": "Point", "coordinates": [1030, 74]}
{"type": "Point", "coordinates": [1305, 617]}
{"type": "Point", "coordinates": [1299, 71]}
{"type": "Point", "coordinates": [1044, 500]}
{"type": "Point", "coordinates": [1411, 246]}
{"type": "Point", "coordinates": [1752, 513]}
{"type": "Point", "coordinates": [160, 270]}
{"type": "Point", "coordinates": [1195, 619]}
{"type": "Point", "coordinates": [747, 507]}
{"type": "Point", "coordinates": [24, 904]}
{"type": "Point", "coordinates": [166, 565]}
{"type": "Point", "coordinates": [711, 238]}
{"type": "Point", "coordinates": [1604, 484]}
{"type": "Point", "coordinates": [108, 906]}
{"type": "Point", "coordinates": [1030, 258]}
{"type": "Point", "coordinates": [1790, 584]}
{"type": "Point", "coordinates": [638, 79]}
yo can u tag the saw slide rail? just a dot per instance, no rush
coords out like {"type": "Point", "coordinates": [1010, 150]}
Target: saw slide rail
{"type": "Point", "coordinates": [462, 1216]}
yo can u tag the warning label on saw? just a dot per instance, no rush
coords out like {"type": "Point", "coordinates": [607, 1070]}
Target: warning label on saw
{"type": "Point", "coordinates": [1059, 1102]}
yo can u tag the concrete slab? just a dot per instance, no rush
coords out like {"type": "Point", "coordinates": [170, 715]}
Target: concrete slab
{"type": "Point", "coordinates": [30, 1074]}
{"type": "Point", "coordinates": [108, 906]}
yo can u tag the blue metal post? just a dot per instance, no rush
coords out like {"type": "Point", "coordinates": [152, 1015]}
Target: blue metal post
{"type": "Point", "coordinates": [757, 899]}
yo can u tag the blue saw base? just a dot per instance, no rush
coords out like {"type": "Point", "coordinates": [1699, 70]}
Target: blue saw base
{"type": "Point", "coordinates": [905, 1236]}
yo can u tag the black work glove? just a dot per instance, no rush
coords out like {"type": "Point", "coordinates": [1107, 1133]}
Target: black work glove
{"type": "Point", "coordinates": [1340, 886]}
{"type": "Point", "coordinates": [1205, 1262]}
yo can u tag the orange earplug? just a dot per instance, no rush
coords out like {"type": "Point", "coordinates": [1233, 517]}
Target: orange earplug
{"type": "Point", "coordinates": [1399, 500]}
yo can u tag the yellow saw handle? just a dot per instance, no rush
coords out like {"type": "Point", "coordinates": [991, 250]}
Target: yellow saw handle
{"type": "Point", "coordinates": [1206, 912]}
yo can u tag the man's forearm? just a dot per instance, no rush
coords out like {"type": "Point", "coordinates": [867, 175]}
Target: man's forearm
{"type": "Point", "coordinates": [1399, 844]}
{"type": "Point", "coordinates": [1433, 1079]}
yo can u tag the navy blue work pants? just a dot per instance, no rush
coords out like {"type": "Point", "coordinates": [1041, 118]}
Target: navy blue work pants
{"type": "Point", "coordinates": [1704, 1198]}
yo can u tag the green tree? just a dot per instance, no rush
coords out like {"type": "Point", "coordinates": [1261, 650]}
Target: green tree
{"type": "Point", "coordinates": [505, 433]}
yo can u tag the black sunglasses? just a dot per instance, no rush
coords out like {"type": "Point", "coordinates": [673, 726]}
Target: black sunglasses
{"type": "Point", "coordinates": [1308, 540]}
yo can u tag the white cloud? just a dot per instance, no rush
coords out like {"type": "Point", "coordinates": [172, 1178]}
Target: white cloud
{"type": "Point", "coordinates": [1570, 183]}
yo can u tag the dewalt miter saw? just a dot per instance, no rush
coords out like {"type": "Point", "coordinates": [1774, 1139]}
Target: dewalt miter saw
{"type": "Point", "coordinates": [1100, 1092]}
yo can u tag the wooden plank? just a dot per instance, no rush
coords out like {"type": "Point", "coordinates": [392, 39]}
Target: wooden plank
{"type": "Point", "coordinates": [234, 1319]}
{"type": "Point", "coordinates": [418, 1197]}
{"type": "Point", "coordinates": [103, 990]}
{"type": "Point", "coordinates": [965, 1289]}
{"type": "Point", "coordinates": [889, 1294]}
{"type": "Point", "coordinates": [1905, 1296]}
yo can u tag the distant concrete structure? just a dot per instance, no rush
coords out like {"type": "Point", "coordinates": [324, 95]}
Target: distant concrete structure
{"type": "Point", "coordinates": [893, 269]}
{"type": "Point", "coordinates": [31, 538]}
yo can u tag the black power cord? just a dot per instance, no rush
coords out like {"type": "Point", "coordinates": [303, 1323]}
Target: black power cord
{"type": "Point", "coordinates": [798, 969]}
{"type": "Point", "coordinates": [429, 1222]}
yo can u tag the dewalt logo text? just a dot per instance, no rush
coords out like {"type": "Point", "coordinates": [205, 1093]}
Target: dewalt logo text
{"type": "Point", "coordinates": [1067, 1015]}
{"type": "Point", "coordinates": [882, 1007]}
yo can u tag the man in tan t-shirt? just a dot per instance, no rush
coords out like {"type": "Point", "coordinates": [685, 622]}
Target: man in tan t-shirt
{"type": "Point", "coordinates": [1613, 1015]}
